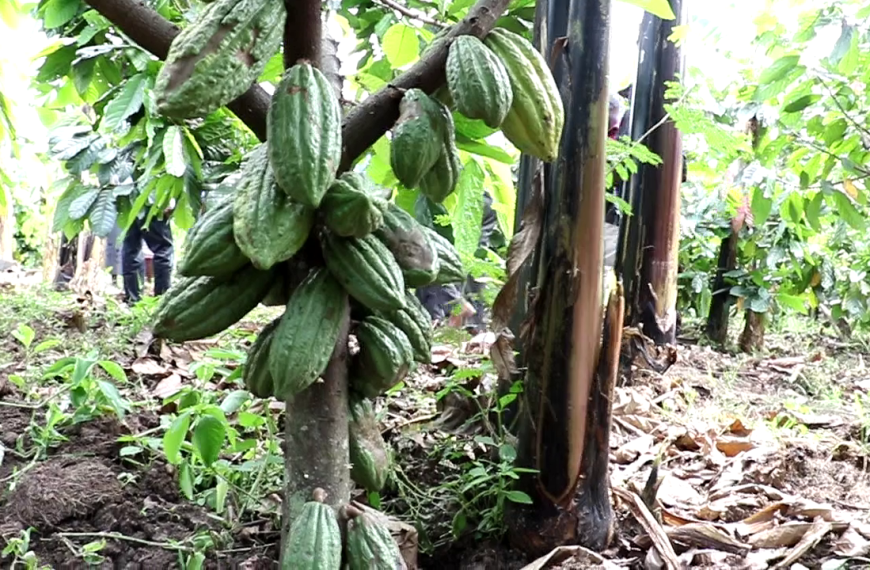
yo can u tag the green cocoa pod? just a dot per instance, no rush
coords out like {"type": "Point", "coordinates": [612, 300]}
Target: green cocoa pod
{"type": "Point", "coordinates": [353, 206]}
{"type": "Point", "coordinates": [409, 243]}
{"type": "Point", "coordinates": [414, 320]}
{"type": "Point", "coordinates": [416, 142]}
{"type": "Point", "coordinates": [450, 269]}
{"type": "Point", "coordinates": [256, 375]}
{"type": "Point", "coordinates": [536, 118]}
{"type": "Point", "coordinates": [304, 131]}
{"type": "Point", "coordinates": [314, 540]}
{"type": "Point", "coordinates": [306, 336]}
{"type": "Point", "coordinates": [370, 545]}
{"type": "Point", "coordinates": [478, 82]}
{"type": "Point", "coordinates": [270, 227]}
{"type": "Point", "coordinates": [218, 57]}
{"type": "Point", "coordinates": [210, 248]}
{"type": "Point", "coordinates": [440, 181]}
{"type": "Point", "coordinates": [199, 307]}
{"type": "Point", "coordinates": [384, 359]}
{"type": "Point", "coordinates": [369, 455]}
{"type": "Point", "coordinates": [366, 269]}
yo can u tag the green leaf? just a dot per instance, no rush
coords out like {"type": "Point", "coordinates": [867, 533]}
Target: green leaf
{"type": "Point", "coordinates": [119, 404]}
{"type": "Point", "coordinates": [518, 497]}
{"type": "Point", "coordinates": [469, 209]}
{"type": "Point", "coordinates": [58, 12]}
{"type": "Point", "coordinates": [400, 45]}
{"type": "Point", "coordinates": [847, 212]}
{"type": "Point", "coordinates": [779, 69]}
{"type": "Point", "coordinates": [9, 13]}
{"type": "Point", "coordinates": [481, 148]}
{"type": "Point", "coordinates": [660, 8]}
{"type": "Point", "coordinates": [83, 74]}
{"type": "Point", "coordinates": [103, 214]}
{"type": "Point", "coordinates": [844, 42]}
{"type": "Point", "coordinates": [173, 151]}
{"type": "Point", "coordinates": [185, 480]}
{"type": "Point", "coordinates": [113, 369]}
{"type": "Point", "coordinates": [79, 207]}
{"type": "Point", "coordinates": [127, 102]}
{"type": "Point", "coordinates": [794, 302]}
{"type": "Point", "coordinates": [208, 438]}
{"type": "Point", "coordinates": [813, 210]}
{"type": "Point", "coordinates": [801, 103]}
{"type": "Point", "coordinates": [761, 206]}
{"type": "Point", "coordinates": [234, 401]}
{"type": "Point", "coordinates": [174, 437]}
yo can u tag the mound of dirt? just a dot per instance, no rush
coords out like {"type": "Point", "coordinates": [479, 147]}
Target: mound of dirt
{"type": "Point", "coordinates": [59, 489]}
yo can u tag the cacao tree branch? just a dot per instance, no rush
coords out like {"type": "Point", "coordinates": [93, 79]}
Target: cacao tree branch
{"type": "Point", "coordinates": [366, 123]}
{"type": "Point", "coordinates": [154, 33]}
{"type": "Point", "coordinates": [303, 33]}
{"type": "Point", "coordinates": [373, 117]}
{"type": "Point", "coordinates": [410, 13]}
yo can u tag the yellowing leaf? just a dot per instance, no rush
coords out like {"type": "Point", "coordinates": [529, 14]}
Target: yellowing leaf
{"type": "Point", "coordinates": [851, 190]}
{"type": "Point", "coordinates": [400, 45]}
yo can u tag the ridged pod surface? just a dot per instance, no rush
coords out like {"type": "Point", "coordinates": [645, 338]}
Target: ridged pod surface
{"type": "Point", "coordinates": [256, 376]}
{"type": "Point", "coordinates": [352, 206]}
{"type": "Point", "coordinates": [479, 84]}
{"type": "Point", "coordinates": [384, 359]}
{"type": "Point", "coordinates": [199, 307]}
{"type": "Point", "coordinates": [305, 338]}
{"type": "Point", "coordinates": [370, 545]}
{"type": "Point", "coordinates": [314, 540]}
{"type": "Point", "coordinates": [450, 268]}
{"type": "Point", "coordinates": [409, 243]}
{"type": "Point", "coordinates": [536, 118]}
{"type": "Point", "coordinates": [369, 456]}
{"type": "Point", "coordinates": [366, 269]}
{"type": "Point", "coordinates": [440, 181]}
{"type": "Point", "coordinates": [269, 226]}
{"type": "Point", "coordinates": [414, 320]}
{"type": "Point", "coordinates": [416, 145]}
{"type": "Point", "coordinates": [210, 248]}
{"type": "Point", "coordinates": [304, 132]}
{"type": "Point", "coordinates": [218, 57]}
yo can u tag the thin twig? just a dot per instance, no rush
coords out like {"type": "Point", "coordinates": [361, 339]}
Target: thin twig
{"type": "Point", "coordinates": [860, 127]}
{"type": "Point", "coordinates": [410, 13]}
{"type": "Point", "coordinates": [117, 536]}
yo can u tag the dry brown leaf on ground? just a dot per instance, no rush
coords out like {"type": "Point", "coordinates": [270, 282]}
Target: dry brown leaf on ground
{"type": "Point", "coordinates": [655, 531]}
{"type": "Point", "coordinates": [789, 534]}
{"type": "Point", "coordinates": [703, 536]}
{"type": "Point", "coordinates": [573, 554]}
{"type": "Point", "coordinates": [148, 366]}
{"type": "Point", "coordinates": [851, 544]}
{"type": "Point", "coordinates": [633, 449]}
{"type": "Point", "coordinates": [167, 387]}
{"type": "Point", "coordinates": [810, 539]}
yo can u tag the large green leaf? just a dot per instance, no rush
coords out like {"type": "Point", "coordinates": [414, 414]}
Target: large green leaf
{"type": "Point", "coordinates": [103, 213]}
{"type": "Point", "coordinates": [469, 209]}
{"type": "Point", "coordinates": [80, 206]}
{"type": "Point", "coordinates": [173, 151]}
{"type": "Point", "coordinates": [400, 45]}
{"type": "Point", "coordinates": [847, 211]}
{"type": "Point", "coordinates": [127, 102]}
{"type": "Point", "coordinates": [779, 69]}
{"type": "Point", "coordinates": [56, 13]}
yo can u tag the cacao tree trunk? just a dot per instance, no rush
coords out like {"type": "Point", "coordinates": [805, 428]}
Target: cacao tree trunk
{"type": "Point", "coordinates": [752, 338]}
{"type": "Point", "coordinates": [316, 452]}
{"type": "Point", "coordinates": [717, 320]}
{"type": "Point", "coordinates": [565, 428]}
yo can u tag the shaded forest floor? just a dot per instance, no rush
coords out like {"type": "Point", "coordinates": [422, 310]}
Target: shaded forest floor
{"type": "Point", "coordinates": [764, 458]}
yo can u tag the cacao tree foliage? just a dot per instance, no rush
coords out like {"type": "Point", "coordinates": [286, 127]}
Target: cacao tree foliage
{"type": "Point", "coordinates": [800, 200]}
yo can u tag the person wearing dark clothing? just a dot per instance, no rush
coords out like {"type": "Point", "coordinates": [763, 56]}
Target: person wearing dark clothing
{"type": "Point", "coordinates": [158, 236]}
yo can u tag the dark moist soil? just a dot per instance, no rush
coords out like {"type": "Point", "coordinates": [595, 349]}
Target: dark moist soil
{"type": "Point", "coordinates": [84, 487]}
